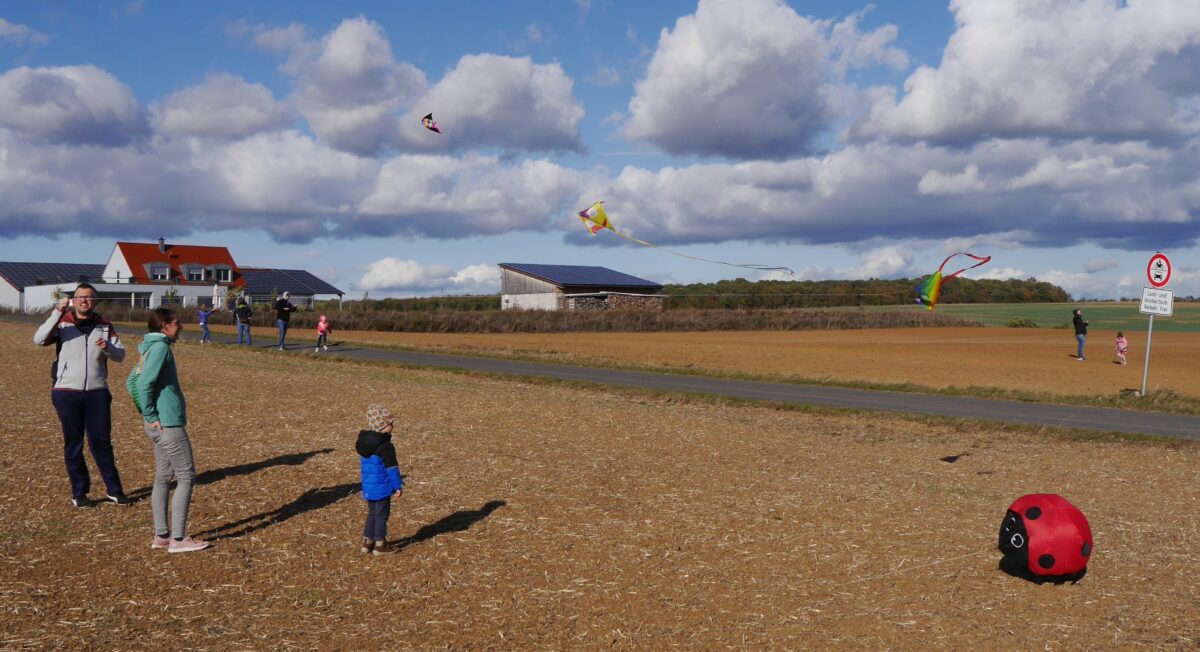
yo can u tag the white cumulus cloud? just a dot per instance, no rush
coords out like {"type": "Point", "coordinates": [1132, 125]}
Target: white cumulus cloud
{"type": "Point", "coordinates": [21, 34]}
{"type": "Point", "coordinates": [939, 183]}
{"type": "Point", "coordinates": [349, 86]}
{"type": "Point", "coordinates": [394, 274]}
{"type": "Point", "coordinates": [1057, 68]}
{"type": "Point", "coordinates": [492, 100]}
{"type": "Point", "coordinates": [750, 79]}
{"type": "Point", "coordinates": [70, 104]}
{"type": "Point", "coordinates": [224, 106]}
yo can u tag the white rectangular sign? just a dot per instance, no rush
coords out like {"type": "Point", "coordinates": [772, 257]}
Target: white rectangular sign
{"type": "Point", "coordinates": [1157, 302]}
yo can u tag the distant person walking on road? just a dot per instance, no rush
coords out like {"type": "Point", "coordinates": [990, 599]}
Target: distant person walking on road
{"type": "Point", "coordinates": [1080, 333]}
{"type": "Point", "coordinates": [85, 343]}
{"type": "Point", "coordinates": [283, 314]}
{"type": "Point", "coordinates": [1122, 346]}
{"type": "Point", "coordinates": [154, 386]}
{"type": "Point", "coordinates": [243, 314]}
{"type": "Point", "coordinates": [324, 328]}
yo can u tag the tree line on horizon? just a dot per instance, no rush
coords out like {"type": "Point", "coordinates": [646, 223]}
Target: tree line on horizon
{"type": "Point", "coordinates": [743, 294]}
{"type": "Point", "coordinates": [740, 293]}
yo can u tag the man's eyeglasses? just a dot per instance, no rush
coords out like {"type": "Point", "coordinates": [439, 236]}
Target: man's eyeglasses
{"type": "Point", "coordinates": [92, 299]}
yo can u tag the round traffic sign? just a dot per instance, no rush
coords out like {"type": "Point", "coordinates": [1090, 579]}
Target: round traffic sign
{"type": "Point", "coordinates": [1159, 270]}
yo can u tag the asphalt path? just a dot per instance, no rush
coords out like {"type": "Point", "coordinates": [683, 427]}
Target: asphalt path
{"type": "Point", "coordinates": [1036, 414]}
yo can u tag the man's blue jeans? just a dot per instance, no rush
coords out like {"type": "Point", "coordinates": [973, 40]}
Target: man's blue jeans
{"type": "Point", "coordinates": [244, 329]}
{"type": "Point", "coordinates": [1080, 338]}
{"type": "Point", "coordinates": [283, 326]}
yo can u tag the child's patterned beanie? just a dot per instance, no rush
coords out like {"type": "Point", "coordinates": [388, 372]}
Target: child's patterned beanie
{"type": "Point", "coordinates": [378, 417]}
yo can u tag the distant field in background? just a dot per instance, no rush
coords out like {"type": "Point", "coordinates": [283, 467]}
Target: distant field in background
{"type": "Point", "coordinates": [1108, 315]}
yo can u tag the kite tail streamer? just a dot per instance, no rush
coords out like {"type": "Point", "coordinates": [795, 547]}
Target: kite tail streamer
{"type": "Point", "coordinates": [596, 219]}
{"type": "Point", "coordinates": [982, 261]}
{"type": "Point", "coordinates": [754, 266]}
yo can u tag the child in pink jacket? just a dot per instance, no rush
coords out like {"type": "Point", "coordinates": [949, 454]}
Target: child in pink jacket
{"type": "Point", "coordinates": [1122, 346]}
{"type": "Point", "coordinates": [324, 328]}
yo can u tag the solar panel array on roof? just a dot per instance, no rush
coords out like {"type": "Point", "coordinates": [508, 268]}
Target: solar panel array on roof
{"type": "Point", "coordinates": [582, 276]}
{"type": "Point", "coordinates": [23, 275]}
{"type": "Point", "coordinates": [297, 281]}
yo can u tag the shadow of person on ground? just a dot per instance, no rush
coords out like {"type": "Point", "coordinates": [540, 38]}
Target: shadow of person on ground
{"type": "Point", "coordinates": [456, 522]}
{"type": "Point", "coordinates": [216, 475]}
{"type": "Point", "coordinates": [308, 501]}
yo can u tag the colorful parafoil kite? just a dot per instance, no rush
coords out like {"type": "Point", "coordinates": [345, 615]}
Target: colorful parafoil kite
{"type": "Point", "coordinates": [595, 219]}
{"type": "Point", "coordinates": [429, 124]}
{"type": "Point", "coordinates": [1046, 535]}
{"type": "Point", "coordinates": [931, 288]}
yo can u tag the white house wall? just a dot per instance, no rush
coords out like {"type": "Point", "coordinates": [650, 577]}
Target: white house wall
{"type": "Point", "coordinates": [539, 301]}
{"type": "Point", "coordinates": [116, 267]}
{"type": "Point", "coordinates": [41, 297]}
{"type": "Point", "coordinates": [10, 297]}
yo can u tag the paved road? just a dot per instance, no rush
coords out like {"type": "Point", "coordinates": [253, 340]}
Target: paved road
{"type": "Point", "coordinates": [1039, 414]}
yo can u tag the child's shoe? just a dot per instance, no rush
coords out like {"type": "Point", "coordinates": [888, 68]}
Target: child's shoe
{"type": "Point", "coordinates": [159, 543]}
{"type": "Point", "coordinates": [325, 346]}
{"type": "Point", "coordinates": [368, 546]}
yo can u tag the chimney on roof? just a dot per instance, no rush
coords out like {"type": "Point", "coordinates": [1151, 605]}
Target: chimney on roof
{"type": "Point", "coordinates": [162, 246]}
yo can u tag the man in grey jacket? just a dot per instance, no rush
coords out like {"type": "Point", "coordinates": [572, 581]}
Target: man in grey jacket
{"type": "Point", "coordinates": [86, 342]}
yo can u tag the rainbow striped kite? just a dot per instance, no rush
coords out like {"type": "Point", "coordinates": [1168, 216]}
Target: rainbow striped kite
{"type": "Point", "coordinates": [931, 288]}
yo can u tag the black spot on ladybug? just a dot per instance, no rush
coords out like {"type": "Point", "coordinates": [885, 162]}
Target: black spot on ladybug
{"type": "Point", "coordinates": [1033, 513]}
{"type": "Point", "coordinates": [1087, 550]}
{"type": "Point", "coordinates": [1046, 561]}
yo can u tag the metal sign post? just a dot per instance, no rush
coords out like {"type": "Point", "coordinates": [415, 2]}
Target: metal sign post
{"type": "Point", "coordinates": [1146, 367]}
{"type": "Point", "coordinates": [1154, 302]}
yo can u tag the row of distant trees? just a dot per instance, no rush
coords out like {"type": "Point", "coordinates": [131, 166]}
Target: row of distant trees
{"type": "Point", "coordinates": [743, 294]}
{"type": "Point", "coordinates": [740, 293]}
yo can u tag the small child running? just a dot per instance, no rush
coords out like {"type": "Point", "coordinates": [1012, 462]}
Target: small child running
{"type": "Point", "coordinates": [203, 314]}
{"type": "Point", "coordinates": [324, 328]}
{"type": "Point", "coordinates": [380, 477]}
{"type": "Point", "coordinates": [1122, 346]}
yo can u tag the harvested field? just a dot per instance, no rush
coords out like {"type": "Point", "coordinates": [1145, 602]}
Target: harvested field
{"type": "Point", "coordinates": [543, 516]}
{"type": "Point", "coordinates": [1019, 359]}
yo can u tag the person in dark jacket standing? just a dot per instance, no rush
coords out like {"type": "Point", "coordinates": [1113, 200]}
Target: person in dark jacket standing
{"type": "Point", "coordinates": [380, 477]}
{"type": "Point", "coordinates": [283, 315]}
{"type": "Point", "coordinates": [243, 315]}
{"type": "Point", "coordinates": [1080, 333]}
{"type": "Point", "coordinates": [86, 342]}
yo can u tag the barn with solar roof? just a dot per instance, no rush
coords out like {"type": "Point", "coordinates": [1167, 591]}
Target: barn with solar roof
{"type": "Point", "coordinates": [575, 287]}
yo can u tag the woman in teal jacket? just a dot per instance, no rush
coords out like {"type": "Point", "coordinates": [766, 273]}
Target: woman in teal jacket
{"type": "Point", "coordinates": [154, 386]}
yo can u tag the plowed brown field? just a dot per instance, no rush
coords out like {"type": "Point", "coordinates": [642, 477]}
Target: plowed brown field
{"type": "Point", "coordinates": [540, 516]}
{"type": "Point", "coordinates": [1018, 359]}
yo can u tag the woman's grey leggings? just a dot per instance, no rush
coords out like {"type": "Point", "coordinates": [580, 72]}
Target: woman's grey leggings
{"type": "Point", "coordinates": [172, 457]}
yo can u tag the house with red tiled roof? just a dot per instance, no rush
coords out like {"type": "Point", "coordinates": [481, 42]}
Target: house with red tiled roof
{"type": "Point", "coordinates": [172, 264]}
{"type": "Point", "coordinates": [150, 274]}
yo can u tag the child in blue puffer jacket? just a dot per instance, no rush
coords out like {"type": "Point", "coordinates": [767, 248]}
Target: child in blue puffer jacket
{"type": "Point", "coordinates": [380, 477]}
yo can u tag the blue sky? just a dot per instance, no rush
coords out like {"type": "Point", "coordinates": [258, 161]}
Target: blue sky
{"type": "Point", "coordinates": [839, 139]}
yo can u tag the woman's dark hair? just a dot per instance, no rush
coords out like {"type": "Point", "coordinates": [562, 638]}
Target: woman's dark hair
{"type": "Point", "coordinates": [160, 317]}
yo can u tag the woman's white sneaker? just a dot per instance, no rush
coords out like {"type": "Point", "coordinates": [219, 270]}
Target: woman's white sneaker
{"type": "Point", "coordinates": [188, 544]}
